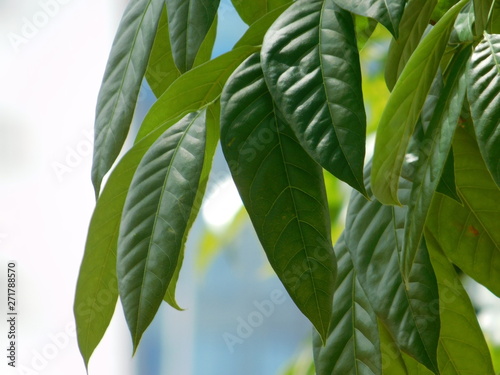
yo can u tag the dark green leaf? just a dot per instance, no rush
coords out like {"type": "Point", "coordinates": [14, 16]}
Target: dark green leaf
{"type": "Point", "coordinates": [462, 349]}
{"type": "Point", "coordinates": [432, 155]}
{"type": "Point", "coordinates": [386, 12]}
{"type": "Point", "coordinates": [483, 79]}
{"type": "Point", "coordinates": [311, 64]}
{"type": "Point", "coordinates": [447, 184]}
{"type": "Point", "coordinates": [251, 11]}
{"type": "Point", "coordinates": [161, 70]}
{"type": "Point", "coordinates": [413, 24]}
{"type": "Point", "coordinates": [193, 90]}
{"type": "Point", "coordinates": [481, 11]}
{"type": "Point", "coordinates": [441, 8]}
{"type": "Point", "coordinates": [464, 26]}
{"type": "Point", "coordinates": [404, 106]}
{"type": "Point", "coordinates": [353, 344]}
{"type": "Point", "coordinates": [469, 234]}
{"type": "Point", "coordinates": [189, 22]}
{"type": "Point", "coordinates": [283, 191]}
{"type": "Point", "coordinates": [97, 288]}
{"type": "Point", "coordinates": [374, 235]}
{"type": "Point", "coordinates": [155, 218]}
{"type": "Point", "coordinates": [364, 29]}
{"type": "Point", "coordinates": [121, 83]}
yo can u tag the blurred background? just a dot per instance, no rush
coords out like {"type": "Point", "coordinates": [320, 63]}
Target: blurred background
{"type": "Point", "coordinates": [238, 318]}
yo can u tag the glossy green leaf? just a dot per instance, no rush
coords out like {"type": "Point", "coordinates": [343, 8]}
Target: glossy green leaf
{"type": "Point", "coordinates": [193, 90]}
{"type": "Point", "coordinates": [469, 234]}
{"type": "Point", "coordinates": [404, 106]}
{"type": "Point", "coordinates": [161, 70]}
{"type": "Point", "coordinates": [364, 29]}
{"type": "Point", "coordinates": [212, 138]}
{"type": "Point", "coordinates": [413, 24]}
{"type": "Point", "coordinates": [483, 79]}
{"type": "Point", "coordinates": [251, 11]}
{"type": "Point", "coordinates": [155, 219]}
{"type": "Point", "coordinates": [432, 155]}
{"type": "Point", "coordinates": [374, 235]}
{"type": "Point", "coordinates": [353, 345]}
{"type": "Point", "coordinates": [121, 83]}
{"type": "Point", "coordinates": [311, 64]}
{"type": "Point", "coordinates": [283, 191]}
{"type": "Point", "coordinates": [207, 46]}
{"type": "Point", "coordinates": [97, 287]}
{"type": "Point", "coordinates": [189, 22]}
{"type": "Point", "coordinates": [462, 349]}
{"type": "Point", "coordinates": [386, 12]}
{"type": "Point", "coordinates": [255, 33]}
{"type": "Point", "coordinates": [464, 26]}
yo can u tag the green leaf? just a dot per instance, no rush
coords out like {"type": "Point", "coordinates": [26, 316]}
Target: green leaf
{"type": "Point", "coordinates": [155, 219]}
{"type": "Point", "coordinates": [447, 184]}
{"type": "Point", "coordinates": [441, 8]}
{"type": "Point", "coordinates": [251, 11]}
{"type": "Point", "coordinates": [193, 90]}
{"type": "Point", "coordinates": [121, 83]}
{"type": "Point", "coordinates": [386, 12]}
{"type": "Point", "coordinates": [483, 79]}
{"type": "Point", "coordinates": [290, 215]}
{"type": "Point", "coordinates": [353, 345]}
{"type": "Point", "coordinates": [374, 235]}
{"type": "Point", "coordinates": [433, 152]}
{"type": "Point", "coordinates": [404, 106]}
{"type": "Point", "coordinates": [206, 48]}
{"type": "Point", "coordinates": [481, 11]}
{"type": "Point", "coordinates": [189, 22]}
{"type": "Point", "coordinates": [161, 70]}
{"type": "Point", "coordinates": [464, 26]}
{"type": "Point", "coordinates": [212, 138]}
{"type": "Point", "coordinates": [255, 33]}
{"type": "Point", "coordinates": [311, 64]}
{"type": "Point", "coordinates": [462, 349]}
{"type": "Point", "coordinates": [413, 24]}
{"type": "Point", "coordinates": [97, 288]}
{"type": "Point", "coordinates": [469, 234]}
{"type": "Point", "coordinates": [364, 29]}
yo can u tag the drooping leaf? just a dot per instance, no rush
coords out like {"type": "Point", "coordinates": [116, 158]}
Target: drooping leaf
{"type": "Point", "coordinates": [121, 83]}
{"type": "Point", "coordinates": [193, 90]}
{"type": "Point", "coordinates": [255, 33]}
{"type": "Point", "coordinates": [251, 11]}
{"type": "Point", "coordinates": [161, 70]}
{"type": "Point", "coordinates": [413, 24]}
{"type": "Point", "coordinates": [189, 22]}
{"type": "Point", "coordinates": [311, 64]}
{"type": "Point", "coordinates": [469, 234]}
{"type": "Point", "coordinates": [483, 79]}
{"type": "Point", "coordinates": [155, 218]}
{"type": "Point", "coordinates": [374, 235]}
{"type": "Point", "coordinates": [462, 349]}
{"type": "Point", "coordinates": [353, 345]}
{"type": "Point", "coordinates": [212, 138]}
{"type": "Point", "coordinates": [404, 106]}
{"type": "Point", "coordinates": [97, 287]}
{"type": "Point", "coordinates": [432, 155]}
{"type": "Point", "coordinates": [283, 191]}
{"type": "Point", "coordinates": [387, 12]}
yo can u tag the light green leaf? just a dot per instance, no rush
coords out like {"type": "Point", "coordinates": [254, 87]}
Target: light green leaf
{"type": "Point", "coordinates": [251, 11]}
{"type": "Point", "coordinates": [464, 26]}
{"type": "Point", "coordinates": [206, 48]}
{"type": "Point", "coordinates": [97, 287]}
{"type": "Point", "coordinates": [386, 12]}
{"type": "Point", "coordinates": [364, 29]}
{"type": "Point", "coordinates": [155, 219]}
{"type": "Point", "coordinates": [189, 22]}
{"type": "Point", "coordinates": [404, 106]}
{"type": "Point", "coordinates": [374, 235]}
{"type": "Point", "coordinates": [441, 8]}
{"type": "Point", "coordinates": [469, 234]}
{"type": "Point", "coordinates": [462, 349]}
{"type": "Point", "coordinates": [255, 33]}
{"type": "Point", "coordinates": [353, 345]}
{"type": "Point", "coordinates": [121, 83]}
{"type": "Point", "coordinates": [413, 24]}
{"type": "Point", "coordinates": [433, 152]}
{"type": "Point", "coordinates": [161, 70]}
{"type": "Point", "coordinates": [311, 64]}
{"type": "Point", "coordinates": [193, 90]}
{"type": "Point", "coordinates": [283, 191]}
{"type": "Point", "coordinates": [212, 138]}
{"type": "Point", "coordinates": [483, 79]}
